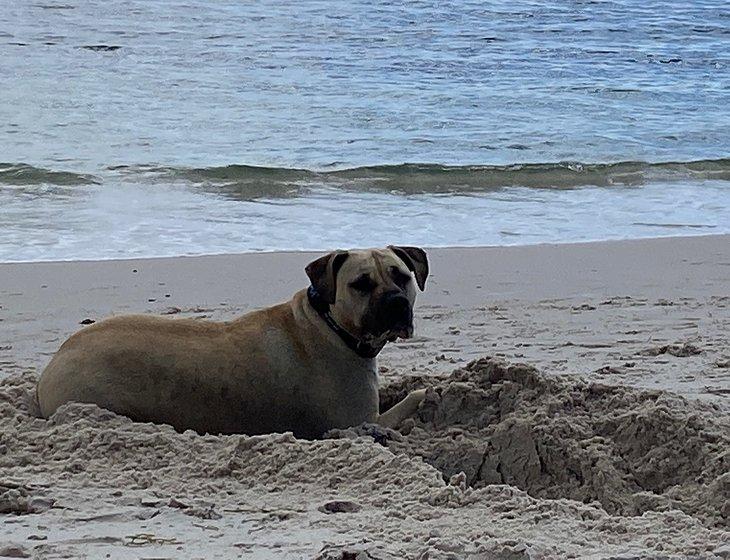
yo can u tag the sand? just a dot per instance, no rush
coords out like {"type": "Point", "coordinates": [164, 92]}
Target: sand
{"type": "Point", "coordinates": [577, 409]}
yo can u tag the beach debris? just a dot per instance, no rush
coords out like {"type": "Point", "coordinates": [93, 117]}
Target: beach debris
{"type": "Point", "coordinates": [101, 48]}
{"type": "Point", "coordinates": [380, 434]}
{"type": "Point", "coordinates": [150, 501]}
{"type": "Point", "coordinates": [350, 552]}
{"type": "Point", "coordinates": [144, 539]}
{"type": "Point", "coordinates": [281, 515]}
{"type": "Point", "coordinates": [199, 309]}
{"type": "Point", "coordinates": [146, 513]}
{"type": "Point", "coordinates": [608, 370]}
{"type": "Point", "coordinates": [202, 512]}
{"type": "Point", "coordinates": [171, 311]}
{"type": "Point", "coordinates": [13, 550]}
{"type": "Point", "coordinates": [679, 350]}
{"type": "Point", "coordinates": [444, 358]}
{"type": "Point", "coordinates": [206, 527]}
{"type": "Point", "coordinates": [87, 321]}
{"type": "Point", "coordinates": [175, 503]}
{"type": "Point", "coordinates": [105, 516]}
{"type": "Point", "coordinates": [340, 506]}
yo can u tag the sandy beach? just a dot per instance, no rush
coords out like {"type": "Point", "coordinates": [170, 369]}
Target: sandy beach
{"type": "Point", "coordinates": [579, 409]}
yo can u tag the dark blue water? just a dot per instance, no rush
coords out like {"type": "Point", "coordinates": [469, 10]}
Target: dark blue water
{"type": "Point", "coordinates": [157, 105]}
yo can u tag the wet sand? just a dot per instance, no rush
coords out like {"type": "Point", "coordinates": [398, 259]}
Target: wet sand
{"type": "Point", "coordinates": [587, 455]}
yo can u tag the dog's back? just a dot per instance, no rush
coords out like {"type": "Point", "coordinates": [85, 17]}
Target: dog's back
{"type": "Point", "coordinates": [184, 372]}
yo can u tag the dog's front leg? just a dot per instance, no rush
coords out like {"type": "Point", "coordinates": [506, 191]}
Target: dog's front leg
{"type": "Point", "coordinates": [392, 417]}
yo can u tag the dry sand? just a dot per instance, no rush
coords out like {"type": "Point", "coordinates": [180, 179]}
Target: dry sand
{"type": "Point", "coordinates": [615, 445]}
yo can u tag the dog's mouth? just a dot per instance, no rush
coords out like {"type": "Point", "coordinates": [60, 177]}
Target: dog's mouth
{"type": "Point", "coordinates": [391, 335]}
{"type": "Point", "coordinates": [388, 322]}
{"type": "Point", "coordinates": [400, 331]}
{"type": "Point", "coordinates": [394, 333]}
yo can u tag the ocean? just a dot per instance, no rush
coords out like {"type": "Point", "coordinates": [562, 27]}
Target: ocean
{"type": "Point", "coordinates": [155, 128]}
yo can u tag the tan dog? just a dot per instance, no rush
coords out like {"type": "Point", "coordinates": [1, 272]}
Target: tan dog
{"type": "Point", "coordinates": [305, 366]}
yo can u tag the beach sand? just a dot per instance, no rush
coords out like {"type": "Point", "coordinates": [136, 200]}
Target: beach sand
{"type": "Point", "coordinates": [580, 407]}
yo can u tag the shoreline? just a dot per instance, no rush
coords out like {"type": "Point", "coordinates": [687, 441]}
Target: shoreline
{"type": "Point", "coordinates": [426, 247]}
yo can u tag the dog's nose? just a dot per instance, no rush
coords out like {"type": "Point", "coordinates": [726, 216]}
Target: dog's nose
{"type": "Point", "coordinates": [397, 308]}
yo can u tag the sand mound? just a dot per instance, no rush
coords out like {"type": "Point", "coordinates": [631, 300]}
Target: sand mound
{"type": "Point", "coordinates": [100, 446]}
{"type": "Point", "coordinates": [89, 483]}
{"type": "Point", "coordinates": [631, 450]}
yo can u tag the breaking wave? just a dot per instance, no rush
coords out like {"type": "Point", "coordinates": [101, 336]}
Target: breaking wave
{"type": "Point", "coordinates": [416, 178]}
{"type": "Point", "coordinates": [250, 182]}
{"type": "Point", "coordinates": [24, 174]}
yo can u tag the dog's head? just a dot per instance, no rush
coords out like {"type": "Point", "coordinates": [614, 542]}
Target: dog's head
{"type": "Point", "coordinates": [371, 292]}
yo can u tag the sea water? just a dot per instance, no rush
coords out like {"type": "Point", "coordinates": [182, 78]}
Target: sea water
{"type": "Point", "coordinates": [168, 128]}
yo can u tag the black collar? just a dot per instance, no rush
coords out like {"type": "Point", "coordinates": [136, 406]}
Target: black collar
{"type": "Point", "coordinates": [361, 348]}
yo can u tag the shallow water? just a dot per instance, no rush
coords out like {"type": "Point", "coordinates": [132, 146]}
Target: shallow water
{"type": "Point", "coordinates": [127, 127]}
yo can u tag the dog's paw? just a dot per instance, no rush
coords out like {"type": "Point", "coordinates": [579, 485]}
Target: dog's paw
{"type": "Point", "coordinates": [380, 434]}
{"type": "Point", "coordinates": [417, 397]}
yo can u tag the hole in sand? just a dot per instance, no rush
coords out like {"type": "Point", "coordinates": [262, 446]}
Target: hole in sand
{"type": "Point", "coordinates": [555, 437]}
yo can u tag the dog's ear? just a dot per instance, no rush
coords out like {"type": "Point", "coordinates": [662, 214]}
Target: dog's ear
{"type": "Point", "coordinates": [323, 274]}
{"type": "Point", "coordinates": [416, 261]}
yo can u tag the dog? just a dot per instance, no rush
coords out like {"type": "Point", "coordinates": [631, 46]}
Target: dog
{"type": "Point", "coordinates": [304, 366]}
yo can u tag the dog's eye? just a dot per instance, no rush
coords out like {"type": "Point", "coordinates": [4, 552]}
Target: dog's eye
{"type": "Point", "coordinates": [400, 277]}
{"type": "Point", "coordinates": [363, 284]}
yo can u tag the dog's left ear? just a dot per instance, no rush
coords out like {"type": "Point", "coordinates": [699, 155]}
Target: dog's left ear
{"type": "Point", "coordinates": [323, 274]}
{"type": "Point", "coordinates": [416, 261]}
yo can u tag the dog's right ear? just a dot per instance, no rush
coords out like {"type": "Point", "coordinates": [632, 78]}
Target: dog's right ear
{"type": "Point", "coordinates": [323, 274]}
